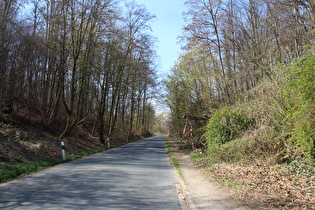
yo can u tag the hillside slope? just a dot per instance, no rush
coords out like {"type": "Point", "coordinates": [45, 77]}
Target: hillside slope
{"type": "Point", "coordinates": [27, 140]}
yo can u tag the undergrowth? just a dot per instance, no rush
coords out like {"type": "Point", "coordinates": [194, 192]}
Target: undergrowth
{"type": "Point", "coordinates": [195, 155]}
{"type": "Point", "coordinates": [274, 123]}
{"type": "Point", "coordinates": [11, 171]}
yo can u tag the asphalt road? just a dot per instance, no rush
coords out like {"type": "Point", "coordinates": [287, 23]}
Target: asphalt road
{"type": "Point", "coordinates": [134, 176]}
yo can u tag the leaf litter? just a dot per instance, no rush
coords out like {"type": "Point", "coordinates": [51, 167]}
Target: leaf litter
{"type": "Point", "coordinates": [285, 186]}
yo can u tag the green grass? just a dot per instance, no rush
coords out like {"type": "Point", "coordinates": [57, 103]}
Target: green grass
{"type": "Point", "coordinates": [86, 153]}
{"type": "Point", "coordinates": [173, 158]}
{"type": "Point", "coordinates": [176, 139]}
{"type": "Point", "coordinates": [196, 155]}
{"type": "Point", "coordinates": [9, 171]}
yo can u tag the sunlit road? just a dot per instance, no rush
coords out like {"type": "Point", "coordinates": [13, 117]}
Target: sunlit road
{"type": "Point", "coordinates": [135, 176]}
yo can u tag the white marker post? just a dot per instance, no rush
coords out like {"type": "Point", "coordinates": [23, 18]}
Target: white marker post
{"type": "Point", "coordinates": [63, 151]}
{"type": "Point", "coordinates": [18, 134]}
{"type": "Point", "coordinates": [127, 140]}
{"type": "Point", "coordinates": [108, 144]}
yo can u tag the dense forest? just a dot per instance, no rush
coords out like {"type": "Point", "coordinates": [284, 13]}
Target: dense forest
{"type": "Point", "coordinates": [65, 63]}
{"type": "Point", "coordinates": [246, 79]}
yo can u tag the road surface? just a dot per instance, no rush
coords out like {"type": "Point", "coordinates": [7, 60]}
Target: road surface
{"type": "Point", "coordinates": [134, 176]}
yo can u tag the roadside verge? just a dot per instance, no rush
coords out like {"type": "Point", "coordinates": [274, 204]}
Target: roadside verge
{"type": "Point", "coordinates": [182, 193]}
{"type": "Point", "coordinates": [198, 191]}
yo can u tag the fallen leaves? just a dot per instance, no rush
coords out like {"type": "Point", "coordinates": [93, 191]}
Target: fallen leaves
{"type": "Point", "coordinates": [285, 186]}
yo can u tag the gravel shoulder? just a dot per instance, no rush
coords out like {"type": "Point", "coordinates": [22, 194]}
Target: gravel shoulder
{"type": "Point", "coordinates": [201, 193]}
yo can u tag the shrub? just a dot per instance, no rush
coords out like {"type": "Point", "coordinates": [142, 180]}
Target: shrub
{"type": "Point", "coordinates": [276, 121]}
{"type": "Point", "coordinates": [299, 90]}
{"type": "Point", "coordinates": [227, 124]}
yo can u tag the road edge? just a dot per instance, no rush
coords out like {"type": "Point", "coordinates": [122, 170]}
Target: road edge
{"type": "Point", "coordinates": [181, 187]}
{"type": "Point", "coordinates": [185, 194]}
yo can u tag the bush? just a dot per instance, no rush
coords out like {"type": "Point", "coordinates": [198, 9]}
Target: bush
{"type": "Point", "coordinates": [299, 89]}
{"type": "Point", "coordinates": [227, 124]}
{"type": "Point", "coordinates": [276, 121]}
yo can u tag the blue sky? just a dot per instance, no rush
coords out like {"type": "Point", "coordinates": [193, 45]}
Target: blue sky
{"type": "Point", "coordinates": [167, 26]}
